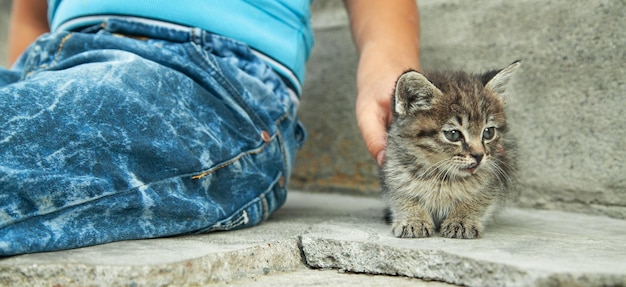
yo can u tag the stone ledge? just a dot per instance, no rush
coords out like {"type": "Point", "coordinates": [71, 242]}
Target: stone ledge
{"type": "Point", "coordinates": [522, 248]}
{"type": "Point", "coordinates": [151, 262]}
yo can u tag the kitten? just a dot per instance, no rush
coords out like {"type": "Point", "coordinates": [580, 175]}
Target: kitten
{"type": "Point", "coordinates": [449, 162]}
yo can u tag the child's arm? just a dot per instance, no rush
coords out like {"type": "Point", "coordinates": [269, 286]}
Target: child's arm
{"type": "Point", "coordinates": [386, 34]}
{"type": "Point", "coordinates": [29, 20]}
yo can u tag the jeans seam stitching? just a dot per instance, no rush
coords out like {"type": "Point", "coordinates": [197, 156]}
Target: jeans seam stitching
{"type": "Point", "coordinates": [231, 161]}
{"type": "Point", "coordinates": [265, 206]}
{"type": "Point", "coordinates": [60, 49]}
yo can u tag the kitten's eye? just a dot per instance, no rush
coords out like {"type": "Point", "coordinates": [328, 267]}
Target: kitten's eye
{"type": "Point", "coordinates": [453, 135]}
{"type": "Point", "coordinates": [489, 133]}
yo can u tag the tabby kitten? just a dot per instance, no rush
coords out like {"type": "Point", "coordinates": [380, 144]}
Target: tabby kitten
{"type": "Point", "coordinates": [448, 162]}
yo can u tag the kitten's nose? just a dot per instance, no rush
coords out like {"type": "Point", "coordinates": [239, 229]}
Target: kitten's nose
{"type": "Point", "coordinates": [478, 157]}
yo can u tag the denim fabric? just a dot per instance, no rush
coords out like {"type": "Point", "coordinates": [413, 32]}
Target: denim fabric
{"type": "Point", "coordinates": [131, 130]}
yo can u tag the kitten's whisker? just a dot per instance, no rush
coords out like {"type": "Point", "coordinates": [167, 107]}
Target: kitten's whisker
{"type": "Point", "coordinates": [500, 163]}
{"type": "Point", "coordinates": [447, 171]}
{"type": "Point", "coordinates": [433, 170]}
{"type": "Point", "coordinates": [443, 168]}
{"type": "Point", "coordinates": [500, 174]}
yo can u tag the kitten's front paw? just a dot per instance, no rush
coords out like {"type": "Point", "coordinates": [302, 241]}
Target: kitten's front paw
{"type": "Point", "coordinates": [412, 229]}
{"type": "Point", "coordinates": [460, 228]}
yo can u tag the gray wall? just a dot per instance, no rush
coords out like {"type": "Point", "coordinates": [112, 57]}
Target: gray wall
{"type": "Point", "coordinates": [566, 107]}
{"type": "Point", "coordinates": [5, 8]}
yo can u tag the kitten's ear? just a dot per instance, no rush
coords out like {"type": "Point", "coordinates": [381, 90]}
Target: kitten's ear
{"type": "Point", "coordinates": [499, 80]}
{"type": "Point", "coordinates": [413, 93]}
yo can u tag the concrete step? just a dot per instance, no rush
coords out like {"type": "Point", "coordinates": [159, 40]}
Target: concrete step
{"type": "Point", "coordinates": [313, 233]}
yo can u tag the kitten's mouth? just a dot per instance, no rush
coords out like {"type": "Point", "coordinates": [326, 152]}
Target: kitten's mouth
{"type": "Point", "coordinates": [470, 169]}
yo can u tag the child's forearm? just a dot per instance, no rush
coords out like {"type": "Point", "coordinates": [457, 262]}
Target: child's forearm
{"type": "Point", "coordinates": [386, 34]}
{"type": "Point", "coordinates": [28, 21]}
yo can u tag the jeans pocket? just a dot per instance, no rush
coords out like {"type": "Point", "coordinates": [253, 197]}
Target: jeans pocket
{"type": "Point", "coordinates": [257, 92]}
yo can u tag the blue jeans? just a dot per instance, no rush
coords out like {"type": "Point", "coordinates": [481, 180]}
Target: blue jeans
{"type": "Point", "coordinates": [130, 130]}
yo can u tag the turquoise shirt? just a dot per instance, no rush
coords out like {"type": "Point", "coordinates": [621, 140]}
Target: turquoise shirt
{"type": "Point", "coordinates": [279, 29]}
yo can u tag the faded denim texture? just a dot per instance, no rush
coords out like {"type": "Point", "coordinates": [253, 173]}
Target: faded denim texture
{"type": "Point", "coordinates": [131, 130]}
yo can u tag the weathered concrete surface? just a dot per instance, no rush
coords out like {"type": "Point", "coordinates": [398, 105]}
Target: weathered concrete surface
{"type": "Point", "coordinates": [523, 248]}
{"type": "Point", "coordinates": [566, 106]}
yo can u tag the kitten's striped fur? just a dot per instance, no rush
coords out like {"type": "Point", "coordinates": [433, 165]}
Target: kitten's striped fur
{"type": "Point", "coordinates": [449, 162]}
